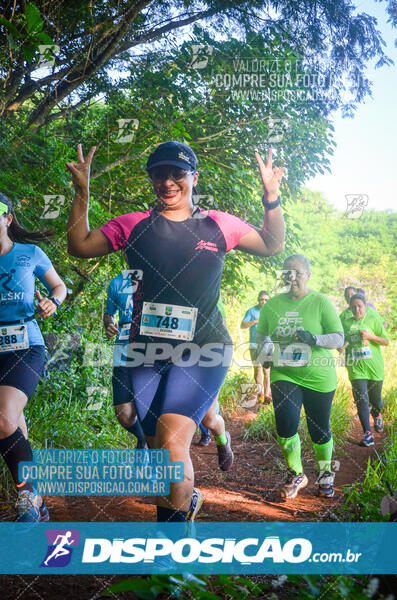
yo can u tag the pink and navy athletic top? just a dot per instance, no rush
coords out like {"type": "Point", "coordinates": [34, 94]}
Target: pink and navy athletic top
{"type": "Point", "coordinates": [180, 263]}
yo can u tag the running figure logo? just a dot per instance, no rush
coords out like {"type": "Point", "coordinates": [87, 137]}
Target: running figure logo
{"type": "Point", "coordinates": [356, 203]}
{"type": "Point", "coordinates": [58, 553]}
{"type": "Point", "coordinates": [200, 55]}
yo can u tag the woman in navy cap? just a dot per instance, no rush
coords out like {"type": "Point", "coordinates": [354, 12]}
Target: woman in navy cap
{"type": "Point", "coordinates": [179, 349]}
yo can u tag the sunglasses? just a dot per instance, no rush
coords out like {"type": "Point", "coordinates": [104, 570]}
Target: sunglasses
{"type": "Point", "coordinates": [168, 172]}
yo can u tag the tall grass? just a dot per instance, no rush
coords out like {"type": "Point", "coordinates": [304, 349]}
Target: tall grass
{"type": "Point", "coordinates": [230, 395]}
{"type": "Point", "coordinates": [59, 415]}
{"type": "Point", "coordinates": [363, 499]}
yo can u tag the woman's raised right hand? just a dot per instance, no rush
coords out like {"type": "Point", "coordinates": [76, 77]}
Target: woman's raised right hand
{"type": "Point", "coordinates": [81, 170]}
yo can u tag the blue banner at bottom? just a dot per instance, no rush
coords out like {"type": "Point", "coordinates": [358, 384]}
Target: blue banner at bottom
{"type": "Point", "coordinates": [243, 548]}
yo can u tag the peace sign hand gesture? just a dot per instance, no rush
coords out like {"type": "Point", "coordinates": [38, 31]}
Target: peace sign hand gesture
{"type": "Point", "coordinates": [271, 176]}
{"type": "Point", "coordinates": [81, 170]}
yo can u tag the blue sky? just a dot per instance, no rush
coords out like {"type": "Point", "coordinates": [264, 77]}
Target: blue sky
{"type": "Point", "coordinates": [365, 158]}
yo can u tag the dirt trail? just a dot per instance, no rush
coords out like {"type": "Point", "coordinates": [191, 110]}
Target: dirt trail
{"type": "Point", "coordinates": [249, 492]}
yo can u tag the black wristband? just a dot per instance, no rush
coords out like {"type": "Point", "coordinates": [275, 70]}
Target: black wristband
{"type": "Point", "coordinates": [55, 301]}
{"type": "Point", "coordinates": [271, 205]}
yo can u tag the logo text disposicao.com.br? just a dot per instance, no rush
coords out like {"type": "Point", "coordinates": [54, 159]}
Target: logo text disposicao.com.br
{"type": "Point", "coordinates": [209, 551]}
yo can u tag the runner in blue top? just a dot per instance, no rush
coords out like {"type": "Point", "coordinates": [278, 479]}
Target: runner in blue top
{"type": "Point", "coordinates": [120, 300]}
{"type": "Point", "coordinates": [261, 374]}
{"type": "Point", "coordinates": [178, 344]}
{"type": "Point", "coordinates": [21, 344]}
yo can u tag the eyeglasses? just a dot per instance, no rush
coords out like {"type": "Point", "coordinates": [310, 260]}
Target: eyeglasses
{"type": "Point", "coordinates": [168, 172]}
{"type": "Point", "coordinates": [288, 274]}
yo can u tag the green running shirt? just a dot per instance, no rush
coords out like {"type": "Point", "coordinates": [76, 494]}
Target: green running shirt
{"type": "Point", "coordinates": [345, 314]}
{"type": "Point", "coordinates": [281, 316]}
{"type": "Point", "coordinates": [364, 361]}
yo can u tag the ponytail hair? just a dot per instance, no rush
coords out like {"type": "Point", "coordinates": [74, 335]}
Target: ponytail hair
{"type": "Point", "coordinates": [19, 234]}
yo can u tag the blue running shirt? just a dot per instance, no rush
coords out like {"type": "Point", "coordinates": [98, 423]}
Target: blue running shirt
{"type": "Point", "coordinates": [120, 298]}
{"type": "Point", "coordinates": [18, 269]}
{"type": "Point", "coordinates": [252, 314]}
{"type": "Point", "coordinates": [180, 264]}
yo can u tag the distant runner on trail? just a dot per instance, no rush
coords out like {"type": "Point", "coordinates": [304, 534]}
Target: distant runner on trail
{"type": "Point", "coordinates": [180, 250]}
{"type": "Point", "coordinates": [303, 326]}
{"type": "Point", "coordinates": [21, 344]}
{"type": "Point", "coordinates": [120, 300]}
{"type": "Point", "coordinates": [347, 313]}
{"type": "Point", "coordinates": [250, 321]}
{"type": "Point", "coordinates": [369, 304]}
{"type": "Point", "coordinates": [364, 335]}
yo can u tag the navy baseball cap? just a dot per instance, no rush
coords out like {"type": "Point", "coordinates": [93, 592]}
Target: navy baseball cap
{"type": "Point", "coordinates": [173, 153]}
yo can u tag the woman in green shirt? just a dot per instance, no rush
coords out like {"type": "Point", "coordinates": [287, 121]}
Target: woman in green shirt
{"type": "Point", "coordinates": [303, 327]}
{"type": "Point", "coordinates": [364, 335]}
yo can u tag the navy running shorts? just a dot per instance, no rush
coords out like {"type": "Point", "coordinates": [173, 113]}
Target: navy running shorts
{"type": "Point", "coordinates": [167, 387]}
{"type": "Point", "coordinates": [122, 385]}
{"type": "Point", "coordinates": [22, 369]}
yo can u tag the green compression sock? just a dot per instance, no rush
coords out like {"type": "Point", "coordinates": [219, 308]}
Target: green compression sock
{"type": "Point", "coordinates": [323, 453]}
{"type": "Point", "coordinates": [221, 440]}
{"type": "Point", "coordinates": [291, 449]}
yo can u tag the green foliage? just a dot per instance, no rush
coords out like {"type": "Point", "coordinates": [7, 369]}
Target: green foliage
{"type": "Point", "coordinates": [230, 394]}
{"type": "Point", "coordinates": [97, 39]}
{"type": "Point", "coordinates": [62, 424]}
{"type": "Point", "coordinates": [345, 251]}
{"type": "Point", "coordinates": [27, 35]}
{"type": "Point", "coordinates": [219, 587]}
{"type": "Point", "coordinates": [172, 102]}
{"type": "Point", "coordinates": [201, 587]}
{"type": "Point", "coordinates": [169, 102]}
{"type": "Point", "coordinates": [263, 427]}
{"type": "Point", "coordinates": [364, 498]}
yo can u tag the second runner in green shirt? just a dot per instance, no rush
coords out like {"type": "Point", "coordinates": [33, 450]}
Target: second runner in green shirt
{"type": "Point", "coordinates": [280, 318]}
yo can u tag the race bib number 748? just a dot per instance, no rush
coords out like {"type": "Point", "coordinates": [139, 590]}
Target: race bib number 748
{"type": "Point", "coordinates": [168, 321]}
